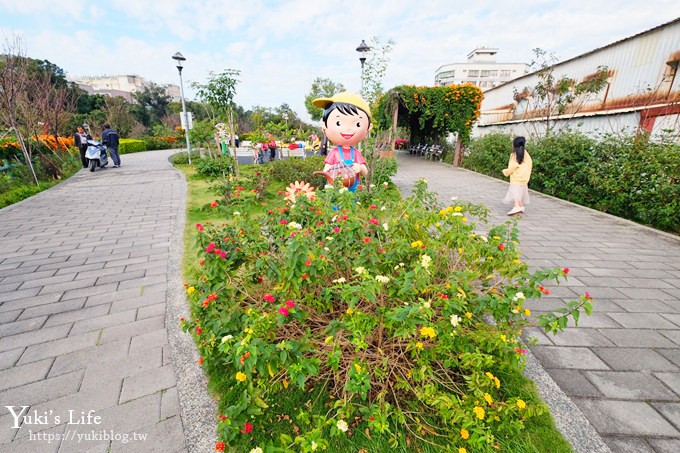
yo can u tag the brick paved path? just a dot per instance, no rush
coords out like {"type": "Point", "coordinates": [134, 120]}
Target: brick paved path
{"type": "Point", "coordinates": [83, 284]}
{"type": "Point", "coordinates": [622, 365]}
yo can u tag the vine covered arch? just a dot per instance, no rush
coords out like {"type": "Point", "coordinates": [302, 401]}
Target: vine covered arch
{"type": "Point", "coordinates": [430, 112]}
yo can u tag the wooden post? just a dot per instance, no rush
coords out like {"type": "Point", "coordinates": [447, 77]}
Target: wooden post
{"type": "Point", "coordinates": [457, 152]}
{"type": "Point", "coordinates": [395, 116]}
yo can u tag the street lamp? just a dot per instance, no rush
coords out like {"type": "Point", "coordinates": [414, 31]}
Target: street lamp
{"type": "Point", "coordinates": [362, 49]}
{"type": "Point", "coordinates": [179, 58]}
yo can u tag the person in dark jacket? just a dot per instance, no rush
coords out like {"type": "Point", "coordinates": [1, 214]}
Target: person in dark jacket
{"type": "Point", "coordinates": [111, 140]}
{"type": "Point", "coordinates": [80, 140]}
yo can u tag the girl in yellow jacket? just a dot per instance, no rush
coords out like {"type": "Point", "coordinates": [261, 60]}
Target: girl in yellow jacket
{"type": "Point", "coordinates": [519, 170]}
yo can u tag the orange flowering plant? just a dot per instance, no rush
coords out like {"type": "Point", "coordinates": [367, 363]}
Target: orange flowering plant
{"type": "Point", "coordinates": [380, 304]}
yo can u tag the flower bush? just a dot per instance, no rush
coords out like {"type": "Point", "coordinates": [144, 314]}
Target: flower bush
{"type": "Point", "coordinates": [398, 310]}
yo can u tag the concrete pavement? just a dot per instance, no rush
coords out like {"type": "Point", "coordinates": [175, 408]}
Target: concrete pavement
{"type": "Point", "coordinates": [86, 272]}
{"type": "Point", "coordinates": [621, 366]}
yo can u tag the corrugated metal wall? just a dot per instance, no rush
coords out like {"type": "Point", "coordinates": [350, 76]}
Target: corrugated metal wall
{"type": "Point", "coordinates": [637, 64]}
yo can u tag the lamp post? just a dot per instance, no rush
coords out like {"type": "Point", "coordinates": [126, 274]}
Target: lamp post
{"type": "Point", "coordinates": [179, 58]}
{"type": "Point", "coordinates": [362, 49]}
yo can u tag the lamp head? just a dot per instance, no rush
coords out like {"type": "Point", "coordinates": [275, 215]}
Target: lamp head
{"type": "Point", "coordinates": [179, 58]}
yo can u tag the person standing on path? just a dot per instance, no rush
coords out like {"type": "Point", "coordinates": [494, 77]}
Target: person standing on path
{"type": "Point", "coordinates": [80, 140]}
{"type": "Point", "coordinates": [519, 171]}
{"type": "Point", "coordinates": [111, 140]}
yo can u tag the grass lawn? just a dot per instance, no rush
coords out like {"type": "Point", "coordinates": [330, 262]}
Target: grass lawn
{"type": "Point", "coordinates": [280, 417]}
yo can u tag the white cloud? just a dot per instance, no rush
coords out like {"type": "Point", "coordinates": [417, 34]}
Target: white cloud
{"type": "Point", "coordinates": [281, 46]}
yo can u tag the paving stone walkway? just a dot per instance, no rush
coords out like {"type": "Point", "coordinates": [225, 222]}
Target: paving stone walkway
{"type": "Point", "coordinates": [83, 289]}
{"type": "Point", "coordinates": [621, 366]}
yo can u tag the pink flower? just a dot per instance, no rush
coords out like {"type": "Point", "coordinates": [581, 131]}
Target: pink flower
{"type": "Point", "coordinates": [520, 351]}
{"type": "Point", "coordinates": [336, 230]}
{"type": "Point", "coordinates": [566, 271]}
{"type": "Point", "coordinates": [210, 248]}
{"type": "Point", "coordinates": [199, 227]}
{"type": "Point", "coordinates": [374, 221]}
{"type": "Point", "coordinates": [290, 304]}
{"type": "Point", "coordinates": [283, 222]}
{"type": "Point", "coordinates": [223, 254]}
{"type": "Point", "coordinates": [283, 311]}
{"type": "Point", "coordinates": [587, 296]}
{"type": "Point", "coordinates": [269, 298]}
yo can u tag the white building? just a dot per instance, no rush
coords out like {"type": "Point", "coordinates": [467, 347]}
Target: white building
{"type": "Point", "coordinates": [120, 85]}
{"type": "Point", "coordinates": [642, 90]}
{"type": "Point", "coordinates": [481, 69]}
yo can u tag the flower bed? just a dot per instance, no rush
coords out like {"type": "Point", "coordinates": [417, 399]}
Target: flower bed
{"type": "Point", "coordinates": [370, 314]}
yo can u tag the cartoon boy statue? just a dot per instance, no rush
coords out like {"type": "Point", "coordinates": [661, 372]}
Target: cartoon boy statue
{"type": "Point", "coordinates": [346, 121]}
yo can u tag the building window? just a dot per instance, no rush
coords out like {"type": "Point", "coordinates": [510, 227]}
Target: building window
{"type": "Point", "coordinates": [473, 73]}
{"type": "Point", "coordinates": [446, 74]}
{"type": "Point", "coordinates": [505, 73]}
{"type": "Point", "coordinates": [489, 73]}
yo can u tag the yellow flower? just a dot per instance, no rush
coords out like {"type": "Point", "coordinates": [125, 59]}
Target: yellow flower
{"type": "Point", "coordinates": [428, 332]}
{"type": "Point", "coordinates": [350, 311]}
{"type": "Point", "coordinates": [488, 398]}
{"type": "Point", "coordinates": [527, 312]}
{"type": "Point", "coordinates": [248, 331]}
{"type": "Point", "coordinates": [464, 433]}
{"type": "Point", "coordinates": [447, 286]}
{"type": "Point", "coordinates": [521, 404]}
{"type": "Point", "coordinates": [489, 375]}
{"type": "Point", "coordinates": [516, 261]}
{"type": "Point", "coordinates": [460, 250]}
{"type": "Point", "coordinates": [241, 376]}
{"type": "Point", "coordinates": [417, 244]}
{"type": "Point", "coordinates": [357, 367]}
{"type": "Point", "coordinates": [462, 450]}
{"type": "Point", "coordinates": [437, 224]}
{"type": "Point", "coordinates": [457, 209]}
{"type": "Point", "coordinates": [504, 338]}
{"type": "Point", "coordinates": [479, 412]}
{"type": "Point", "coordinates": [464, 219]}
{"type": "Point", "coordinates": [468, 315]}
{"type": "Point", "coordinates": [419, 345]}
{"type": "Point", "coordinates": [497, 382]}
{"type": "Point", "coordinates": [190, 290]}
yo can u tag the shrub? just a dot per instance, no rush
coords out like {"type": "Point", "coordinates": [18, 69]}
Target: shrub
{"type": "Point", "coordinates": [162, 142]}
{"type": "Point", "coordinates": [214, 167]}
{"type": "Point", "coordinates": [628, 176]}
{"type": "Point", "coordinates": [383, 169]}
{"type": "Point", "coordinates": [131, 145]}
{"type": "Point", "coordinates": [290, 170]}
{"type": "Point", "coordinates": [182, 158]}
{"type": "Point", "coordinates": [384, 309]}
{"type": "Point", "coordinates": [17, 194]}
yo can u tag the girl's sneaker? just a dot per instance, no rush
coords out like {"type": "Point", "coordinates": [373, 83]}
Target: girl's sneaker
{"type": "Point", "coordinates": [515, 210]}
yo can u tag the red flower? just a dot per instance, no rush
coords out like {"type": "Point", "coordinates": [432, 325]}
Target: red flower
{"type": "Point", "coordinates": [222, 417]}
{"type": "Point", "coordinates": [269, 298]}
{"type": "Point", "coordinates": [199, 227]}
{"type": "Point", "coordinates": [244, 357]}
{"type": "Point", "coordinates": [290, 304]}
{"type": "Point", "coordinates": [201, 263]}
{"type": "Point", "coordinates": [283, 222]}
{"type": "Point", "coordinates": [319, 212]}
{"type": "Point", "coordinates": [308, 263]}
{"type": "Point", "coordinates": [319, 223]}
{"type": "Point", "coordinates": [219, 446]}
{"type": "Point", "coordinates": [374, 221]}
{"type": "Point", "coordinates": [305, 276]}
{"type": "Point", "coordinates": [367, 240]}
{"type": "Point", "coordinates": [199, 330]}
{"type": "Point", "coordinates": [210, 248]}
{"type": "Point", "coordinates": [214, 204]}
{"type": "Point", "coordinates": [566, 271]}
{"type": "Point", "coordinates": [372, 207]}
{"type": "Point", "coordinates": [206, 303]}
{"type": "Point", "coordinates": [248, 428]}
{"type": "Point", "coordinates": [343, 217]}
{"type": "Point", "coordinates": [443, 296]}
{"type": "Point", "coordinates": [501, 247]}
{"type": "Point", "coordinates": [200, 360]}
{"type": "Point", "coordinates": [223, 255]}
{"type": "Point", "coordinates": [259, 279]}
{"type": "Point", "coordinates": [181, 319]}
{"type": "Point", "coordinates": [270, 212]}
{"type": "Point", "coordinates": [283, 311]}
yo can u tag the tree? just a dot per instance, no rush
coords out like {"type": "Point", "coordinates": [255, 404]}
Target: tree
{"type": "Point", "coordinates": [374, 69]}
{"type": "Point", "coordinates": [321, 88]}
{"type": "Point", "coordinates": [14, 80]}
{"type": "Point", "coordinates": [553, 96]}
{"type": "Point", "coordinates": [118, 115]}
{"type": "Point", "coordinates": [153, 101]}
{"type": "Point", "coordinates": [219, 93]}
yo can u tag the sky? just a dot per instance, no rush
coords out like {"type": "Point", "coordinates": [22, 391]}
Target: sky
{"type": "Point", "coordinates": [280, 47]}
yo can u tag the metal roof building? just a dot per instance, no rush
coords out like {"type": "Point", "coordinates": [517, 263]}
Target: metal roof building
{"type": "Point", "coordinates": [642, 90]}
